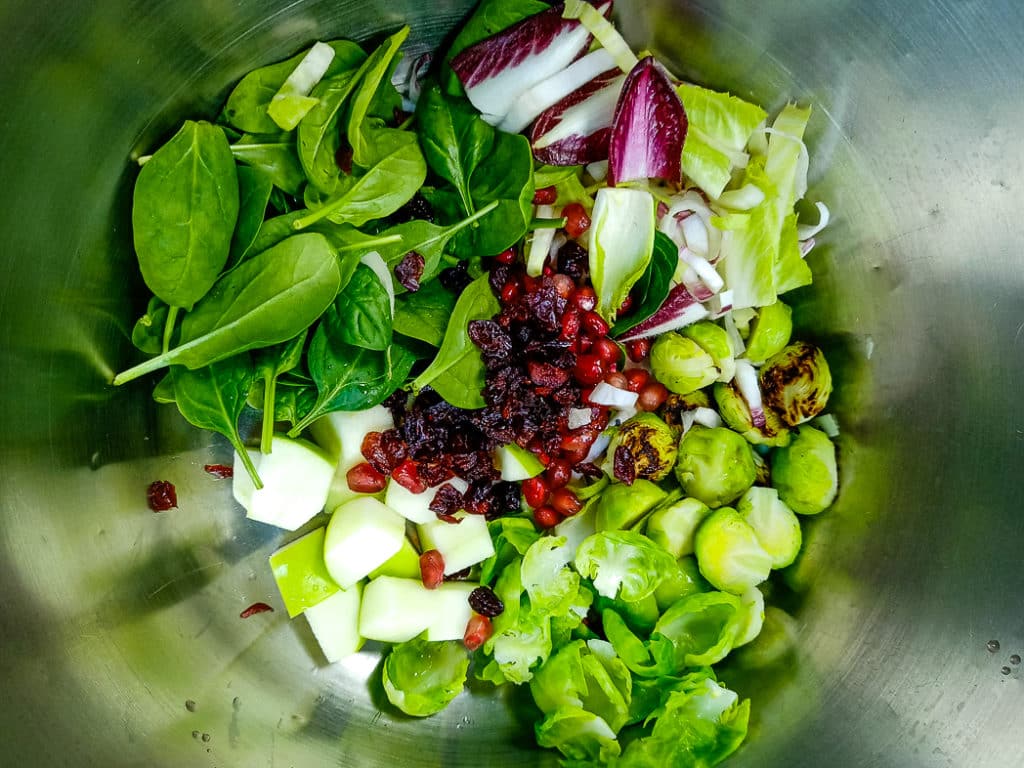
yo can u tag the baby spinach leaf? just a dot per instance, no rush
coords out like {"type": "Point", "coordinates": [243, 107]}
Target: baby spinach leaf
{"type": "Point", "coordinates": [361, 315]}
{"type": "Point", "coordinates": [291, 403]}
{"type": "Point", "coordinates": [246, 108]}
{"type": "Point", "coordinates": [213, 398]}
{"type": "Point", "coordinates": [374, 74]}
{"type": "Point", "coordinates": [148, 332]}
{"type": "Point", "coordinates": [163, 392]}
{"type": "Point", "coordinates": [267, 299]}
{"type": "Point", "coordinates": [457, 373]}
{"type": "Point", "coordinates": [351, 378]}
{"type": "Point", "coordinates": [273, 155]}
{"type": "Point", "coordinates": [183, 214]}
{"type": "Point", "coordinates": [274, 230]}
{"type": "Point", "coordinates": [381, 190]}
{"type": "Point", "coordinates": [254, 194]}
{"type": "Point", "coordinates": [424, 315]}
{"type": "Point", "coordinates": [318, 134]}
{"type": "Point", "coordinates": [454, 139]}
{"type": "Point", "coordinates": [271, 363]}
{"type": "Point", "coordinates": [654, 286]}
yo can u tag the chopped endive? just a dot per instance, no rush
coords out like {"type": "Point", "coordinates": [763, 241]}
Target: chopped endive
{"type": "Point", "coordinates": [292, 101]}
{"type": "Point", "coordinates": [621, 244]}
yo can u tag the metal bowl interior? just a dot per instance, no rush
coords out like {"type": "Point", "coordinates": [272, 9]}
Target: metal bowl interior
{"type": "Point", "coordinates": [112, 617]}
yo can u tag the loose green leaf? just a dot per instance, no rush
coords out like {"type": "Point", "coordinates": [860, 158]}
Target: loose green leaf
{"type": "Point", "coordinates": [254, 190]}
{"type": "Point", "coordinates": [183, 213]}
{"type": "Point", "coordinates": [421, 678]}
{"type": "Point", "coordinates": [373, 75]}
{"type": "Point", "coordinates": [319, 137]}
{"type": "Point", "coordinates": [424, 314]}
{"type": "Point", "coordinates": [267, 299]}
{"type": "Point", "coordinates": [457, 373]}
{"type": "Point", "coordinates": [361, 315]}
{"type": "Point", "coordinates": [274, 156]}
{"type": "Point", "coordinates": [654, 286]}
{"type": "Point", "coordinates": [148, 331]}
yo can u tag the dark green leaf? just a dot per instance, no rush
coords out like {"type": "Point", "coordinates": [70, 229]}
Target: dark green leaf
{"type": "Point", "coordinates": [319, 137]}
{"type": "Point", "coordinates": [374, 74]}
{"type": "Point", "coordinates": [275, 156]}
{"type": "Point", "coordinates": [163, 392]}
{"type": "Point", "coordinates": [457, 373]}
{"type": "Point", "coordinates": [254, 190]}
{"type": "Point", "coordinates": [361, 315]}
{"type": "Point", "coordinates": [424, 315]}
{"type": "Point", "coordinates": [246, 108]}
{"type": "Point", "coordinates": [183, 214]}
{"type": "Point", "coordinates": [654, 286]}
{"type": "Point", "coordinates": [148, 332]}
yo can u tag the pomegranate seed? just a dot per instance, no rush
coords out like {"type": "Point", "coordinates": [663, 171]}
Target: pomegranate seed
{"type": "Point", "coordinates": [407, 475]}
{"type": "Point", "coordinates": [548, 270]}
{"type": "Point", "coordinates": [546, 516]}
{"type": "Point", "coordinates": [363, 478]}
{"type": "Point", "coordinates": [220, 471]}
{"type": "Point", "coordinates": [565, 502]}
{"type": "Point", "coordinates": [432, 568]}
{"type": "Point", "coordinates": [576, 220]}
{"type": "Point", "coordinates": [626, 307]}
{"type": "Point", "coordinates": [638, 349]}
{"type": "Point", "coordinates": [585, 395]}
{"type": "Point", "coordinates": [509, 293]}
{"type": "Point", "coordinates": [584, 343]}
{"type": "Point", "coordinates": [570, 325]}
{"type": "Point", "coordinates": [585, 298]}
{"type": "Point", "coordinates": [607, 350]}
{"type": "Point", "coordinates": [536, 491]}
{"type": "Point", "coordinates": [558, 473]}
{"type": "Point", "coordinates": [543, 457]}
{"type": "Point", "coordinates": [529, 283]}
{"type": "Point", "coordinates": [636, 378]}
{"type": "Point", "coordinates": [595, 324]}
{"type": "Point", "coordinates": [545, 196]}
{"type": "Point", "coordinates": [652, 395]}
{"type": "Point", "coordinates": [161, 496]}
{"type": "Point", "coordinates": [578, 439]}
{"type": "Point", "coordinates": [576, 456]}
{"type": "Point", "coordinates": [589, 369]}
{"type": "Point", "coordinates": [617, 380]}
{"type": "Point", "coordinates": [564, 285]}
{"type": "Point", "coordinates": [506, 257]}
{"type": "Point", "coordinates": [478, 630]}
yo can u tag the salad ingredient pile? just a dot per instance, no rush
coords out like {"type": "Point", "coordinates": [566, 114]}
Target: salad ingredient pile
{"type": "Point", "coordinates": [527, 387]}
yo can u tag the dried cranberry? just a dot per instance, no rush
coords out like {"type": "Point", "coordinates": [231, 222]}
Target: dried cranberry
{"type": "Point", "coordinates": [255, 608]}
{"type": "Point", "coordinates": [343, 158]}
{"type": "Point", "coordinates": [416, 208]}
{"type": "Point", "coordinates": [485, 602]}
{"type": "Point", "coordinates": [432, 569]}
{"type": "Point", "coordinates": [478, 630]}
{"type": "Point", "coordinates": [536, 491]}
{"type": "Point", "coordinates": [545, 196]}
{"type": "Point", "coordinates": [434, 473]}
{"type": "Point", "coordinates": [546, 516]}
{"type": "Point", "coordinates": [161, 496]}
{"type": "Point", "coordinates": [409, 271]}
{"type": "Point", "coordinates": [576, 220]}
{"type": "Point", "coordinates": [455, 278]}
{"type": "Point", "coordinates": [447, 501]}
{"type": "Point", "coordinates": [546, 374]}
{"type": "Point", "coordinates": [220, 471]}
{"type": "Point", "coordinates": [624, 465]}
{"type": "Point", "coordinates": [505, 500]}
{"type": "Point", "coordinates": [363, 478]}
{"type": "Point", "coordinates": [573, 261]}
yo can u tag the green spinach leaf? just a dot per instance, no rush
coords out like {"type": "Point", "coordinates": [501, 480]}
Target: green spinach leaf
{"type": "Point", "coordinates": [163, 392]}
{"type": "Point", "coordinates": [246, 108]}
{"type": "Point", "coordinates": [318, 135]}
{"type": "Point", "coordinates": [183, 214]}
{"type": "Point", "coordinates": [213, 398]}
{"type": "Point", "coordinates": [267, 299]}
{"type": "Point", "coordinates": [424, 314]}
{"type": "Point", "coordinates": [273, 155]}
{"type": "Point", "coordinates": [374, 74]}
{"type": "Point", "coordinates": [254, 190]}
{"type": "Point", "coordinates": [654, 286]}
{"type": "Point", "coordinates": [148, 332]}
{"type": "Point", "coordinates": [271, 364]}
{"type": "Point", "coordinates": [457, 373]}
{"type": "Point", "coordinates": [361, 315]}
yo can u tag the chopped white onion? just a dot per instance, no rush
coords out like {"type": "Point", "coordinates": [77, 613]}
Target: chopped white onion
{"type": "Point", "coordinates": [735, 339]}
{"type": "Point", "coordinates": [599, 446]}
{"type": "Point", "coordinates": [598, 171]}
{"type": "Point", "coordinates": [688, 223]}
{"type": "Point", "coordinates": [707, 417]}
{"type": "Point", "coordinates": [689, 277]}
{"type": "Point", "coordinates": [720, 304]}
{"type": "Point", "coordinates": [579, 417]}
{"type": "Point", "coordinates": [374, 261]}
{"type": "Point", "coordinates": [750, 390]}
{"type": "Point", "coordinates": [828, 424]}
{"type": "Point", "coordinates": [708, 274]}
{"type": "Point", "coordinates": [807, 231]}
{"type": "Point", "coordinates": [613, 397]}
{"type": "Point", "coordinates": [686, 420]}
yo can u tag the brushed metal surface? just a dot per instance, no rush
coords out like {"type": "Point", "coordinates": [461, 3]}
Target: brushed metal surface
{"type": "Point", "coordinates": [111, 618]}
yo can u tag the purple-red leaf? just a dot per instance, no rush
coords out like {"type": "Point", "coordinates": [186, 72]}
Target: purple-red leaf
{"type": "Point", "coordinates": [578, 129]}
{"type": "Point", "coordinates": [679, 309]}
{"type": "Point", "coordinates": [497, 70]}
{"type": "Point", "coordinates": [649, 128]}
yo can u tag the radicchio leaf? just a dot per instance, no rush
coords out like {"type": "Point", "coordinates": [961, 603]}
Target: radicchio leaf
{"type": "Point", "coordinates": [649, 128]}
{"type": "Point", "coordinates": [678, 310]}
{"type": "Point", "coordinates": [578, 129]}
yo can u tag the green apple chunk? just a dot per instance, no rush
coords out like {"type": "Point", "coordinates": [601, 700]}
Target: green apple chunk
{"type": "Point", "coordinates": [335, 623]}
{"type": "Point", "coordinates": [576, 528]}
{"type": "Point", "coordinates": [415, 507]}
{"type": "Point", "coordinates": [341, 434]}
{"type": "Point", "coordinates": [301, 574]}
{"type": "Point", "coordinates": [461, 545]}
{"type": "Point", "coordinates": [363, 534]}
{"type": "Point", "coordinates": [395, 610]}
{"type": "Point", "coordinates": [516, 463]}
{"type": "Point", "coordinates": [451, 610]}
{"type": "Point", "coordinates": [404, 564]}
{"type": "Point", "coordinates": [296, 478]}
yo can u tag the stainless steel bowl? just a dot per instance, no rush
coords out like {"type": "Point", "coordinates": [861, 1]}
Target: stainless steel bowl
{"type": "Point", "coordinates": [112, 618]}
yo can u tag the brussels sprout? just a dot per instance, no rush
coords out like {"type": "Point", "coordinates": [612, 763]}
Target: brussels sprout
{"type": "Point", "coordinates": [623, 564]}
{"type": "Point", "coordinates": [621, 506]}
{"type": "Point", "coordinates": [681, 364]}
{"type": "Point", "coordinates": [675, 405]}
{"type": "Point", "coordinates": [714, 340]}
{"type": "Point", "coordinates": [764, 472]}
{"type": "Point", "coordinates": [681, 581]}
{"type": "Point", "coordinates": [422, 678]}
{"type": "Point", "coordinates": [644, 447]}
{"type": "Point", "coordinates": [777, 528]}
{"type": "Point", "coordinates": [729, 554]}
{"type": "Point", "coordinates": [805, 473]}
{"type": "Point", "coordinates": [797, 383]}
{"type": "Point", "coordinates": [639, 615]}
{"type": "Point", "coordinates": [673, 525]}
{"type": "Point", "coordinates": [770, 332]}
{"type": "Point", "coordinates": [777, 639]}
{"type": "Point", "coordinates": [736, 413]}
{"type": "Point", "coordinates": [753, 619]}
{"type": "Point", "coordinates": [715, 465]}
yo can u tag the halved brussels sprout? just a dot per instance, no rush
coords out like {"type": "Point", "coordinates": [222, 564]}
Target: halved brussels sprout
{"type": "Point", "coordinates": [715, 341]}
{"type": "Point", "coordinates": [621, 506]}
{"type": "Point", "coordinates": [797, 383]}
{"type": "Point", "coordinates": [673, 525]}
{"type": "Point", "coordinates": [736, 413]}
{"type": "Point", "coordinates": [681, 364]}
{"type": "Point", "coordinates": [729, 554]}
{"type": "Point", "coordinates": [644, 447]}
{"type": "Point", "coordinates": [805, 473]}
{"type": "Point", "coordinates": [777, 528]}
{"type": "Point", "coordinates": [770, 332]}
{"type": "Point", "coordinates": [715, 465]}
{"type": "Point", "coordinates": [681, 581]}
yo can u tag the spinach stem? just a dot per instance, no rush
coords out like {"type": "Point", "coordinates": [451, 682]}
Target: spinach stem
{"type": "Point", "coordinates": [172, 316]}
{"type": "Point", "coordinates": [250, 468]}
{"type": "Point", "coordinates": [269, 397]}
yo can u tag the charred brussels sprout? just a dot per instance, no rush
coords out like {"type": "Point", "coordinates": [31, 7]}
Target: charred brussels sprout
{"type": "Point", "coordinates": [805, 473]}
{"type": "Point", "coordinates": [736, 413]}
{"type": "Point", "coordinates": [770, 332]}
{"type": "Point", "coordinates": [797, 383]}
{"type": "Point", "coordinates": [715, 465]}
{"type": "Point", "coordinates": [644, 447]}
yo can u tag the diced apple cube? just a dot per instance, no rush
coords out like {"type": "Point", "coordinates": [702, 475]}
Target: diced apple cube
{"type": "Point", "coordinates": [576, 528]}
{"type": "Point", "coordinates": [451, 611]}
{"type": "Point", "coordinates": [363, 534]}
{"type": "Point", "coordinates": [296, 477]}
{"type": "Point", "coordinates": [516, 463]}
{"type": "Point", "coordinates": [404, 564]}
{"type": "Point", "coordinates": [416, 506]}
{"type": "Point", "coordinates": [335, 623]}
{"type": "Point", "coordinates": [301, 574]}
{"type": "Point", "coordinates": [461, 545]}
{"type": "Point", "coordinates": [395, 610]}
{"type": "Point", "coordinates": [341, 434]}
